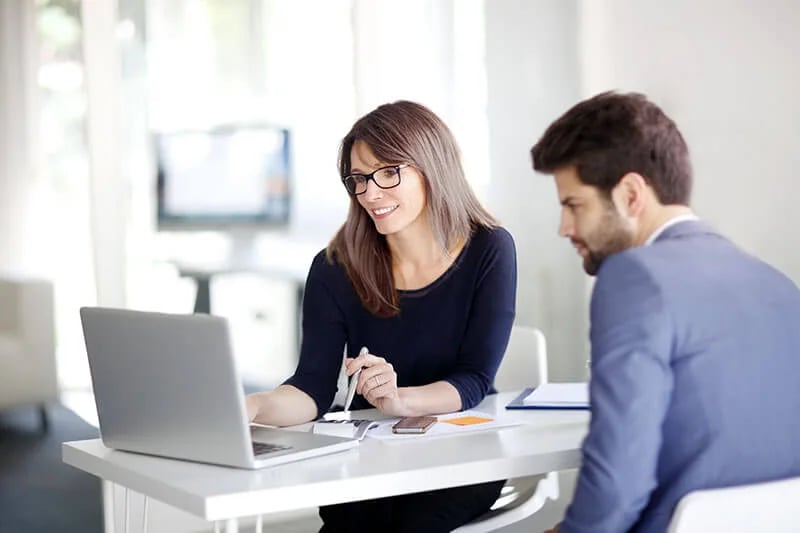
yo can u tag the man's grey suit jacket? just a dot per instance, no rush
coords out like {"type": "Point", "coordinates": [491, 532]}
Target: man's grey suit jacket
{"type": "Point", "coordinates": [695, 379]}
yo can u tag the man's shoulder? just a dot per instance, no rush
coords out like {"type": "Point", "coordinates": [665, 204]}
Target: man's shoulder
{"type": "Point", "coordinates": [690, 239]}
{"type": "Point", "coordinates": [633, 261]}
{"type": "Point", "coordinates": [686, 261]}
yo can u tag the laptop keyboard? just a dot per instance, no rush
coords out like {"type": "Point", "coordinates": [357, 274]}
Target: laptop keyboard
{"type": "Point", "coordinates": [265, 448]}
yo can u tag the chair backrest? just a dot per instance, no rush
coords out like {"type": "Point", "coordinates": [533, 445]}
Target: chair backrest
{"type": "Point", "coordinates": [770, 506]}
{"type": "Point", "coordinates": [525, 361]}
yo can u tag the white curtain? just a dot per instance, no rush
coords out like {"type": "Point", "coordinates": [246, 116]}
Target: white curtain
{"type": "Point", "coordinates": [109, 192]}
{"type": "Point", "coordinates": [18, 176]}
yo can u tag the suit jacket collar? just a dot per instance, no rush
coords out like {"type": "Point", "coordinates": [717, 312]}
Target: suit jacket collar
{"type": "Point", "coordinates": [687, 228]}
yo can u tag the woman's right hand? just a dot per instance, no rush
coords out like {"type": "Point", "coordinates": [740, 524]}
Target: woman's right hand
{"type": "Point", "coordinates": [284, 406]}
{"type": "Point", "coordinates": [251, 403]}
{"type": "Point", "coordinates": [377, 383]}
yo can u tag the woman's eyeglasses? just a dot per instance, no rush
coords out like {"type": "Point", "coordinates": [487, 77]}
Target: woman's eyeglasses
{"type": "Point", "coordinates": [384, 177]}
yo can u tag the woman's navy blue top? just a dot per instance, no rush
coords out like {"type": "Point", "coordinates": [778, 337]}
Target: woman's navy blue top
{"type": "Point", "coordinates": [456, 329]}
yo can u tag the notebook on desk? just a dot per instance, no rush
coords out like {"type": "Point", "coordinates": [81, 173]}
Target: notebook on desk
{"type": "Point", "coordinates": [167, 385]}
{"type": "Point", "coordinates": [553, 396]}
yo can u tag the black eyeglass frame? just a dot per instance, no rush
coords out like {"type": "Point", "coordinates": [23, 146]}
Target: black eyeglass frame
{"type": "Point", "coordinates": [371, 176]}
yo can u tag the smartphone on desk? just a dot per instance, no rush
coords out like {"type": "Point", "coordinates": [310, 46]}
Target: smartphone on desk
{"type": "Point", "coordinates": [414, 424]}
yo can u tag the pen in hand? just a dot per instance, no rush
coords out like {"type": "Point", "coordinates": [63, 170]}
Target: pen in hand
{"type": "Point", "coordinates": [351, 389]}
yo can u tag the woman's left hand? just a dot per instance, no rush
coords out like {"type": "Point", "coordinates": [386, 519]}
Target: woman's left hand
{"type": "Point", "coordinates": [377, 383]}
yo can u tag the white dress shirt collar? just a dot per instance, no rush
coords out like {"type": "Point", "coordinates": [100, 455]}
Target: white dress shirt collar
{"type": "Point", "coordinates": [671, 222]}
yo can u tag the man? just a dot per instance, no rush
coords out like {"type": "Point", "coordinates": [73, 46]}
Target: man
{"type": "Point", "coordinates": [695, 344]}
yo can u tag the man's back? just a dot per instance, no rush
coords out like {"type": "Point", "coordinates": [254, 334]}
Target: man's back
{"type": "Point", "coordinates": [696, 359]}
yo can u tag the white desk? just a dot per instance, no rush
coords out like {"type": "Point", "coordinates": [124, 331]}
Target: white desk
{"type": "Point", "coordinates": [548, 441]}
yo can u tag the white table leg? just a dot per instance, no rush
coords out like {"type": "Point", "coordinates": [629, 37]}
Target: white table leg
{"type": "Point", "coordinates": [126, 525]}
{"type": "Point", "coordinates": [232, 525]}
{"type": "Point", "coordinates": [108, 507]}
{"type": "Point", "coordinates": [144, 513]}
{"type": "Point", "coordinates": [260, 524]}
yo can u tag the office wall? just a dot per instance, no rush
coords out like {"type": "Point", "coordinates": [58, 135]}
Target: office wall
{"type": "Point", "coordinates": [533, 74]}
{"type": "Point", "coordinates": [725, 71]}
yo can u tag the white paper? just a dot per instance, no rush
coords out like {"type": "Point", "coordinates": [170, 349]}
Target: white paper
{"type": "Point", "coordinates": [559, 395]}
{"type": "Point", "coordinates": [441, 428]}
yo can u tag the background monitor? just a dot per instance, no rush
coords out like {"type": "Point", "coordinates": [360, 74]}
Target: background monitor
{"type": "Point", "coordinates": [225, 178]}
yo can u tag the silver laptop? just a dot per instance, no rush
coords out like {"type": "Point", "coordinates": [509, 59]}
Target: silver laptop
{"type": "Point", "coordinates": [167, 385]}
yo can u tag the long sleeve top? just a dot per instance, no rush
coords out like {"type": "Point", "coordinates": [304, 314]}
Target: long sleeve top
{"type": "Point", "coordinates": [455, 329]}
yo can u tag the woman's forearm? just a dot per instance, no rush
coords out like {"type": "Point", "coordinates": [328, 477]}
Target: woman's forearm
{"type": "Point", "coordinates": [437, 397]}
{"type": "Point", "coordinates": [285, 406]}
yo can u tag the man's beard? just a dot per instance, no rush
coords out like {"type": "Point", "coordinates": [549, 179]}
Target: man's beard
{"type": "Point", "coordinates": [612, 235]}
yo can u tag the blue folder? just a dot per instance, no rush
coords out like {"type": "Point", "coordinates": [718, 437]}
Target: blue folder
{"type": "Point", "coordinates": [519, 403]}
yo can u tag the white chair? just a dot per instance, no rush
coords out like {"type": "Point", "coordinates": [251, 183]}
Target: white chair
{"type": "Point", "coordinates": [525, 361]}
{"type": "Point", "coordinates": [524, 365]}
{"type": "Point", "coordinates": [769, 506]}
{"type": "Point", "coordinates": [27, 344]}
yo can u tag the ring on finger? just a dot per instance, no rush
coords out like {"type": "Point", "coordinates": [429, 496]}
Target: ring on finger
{"type": "Point", "coordinates": [377, 381]}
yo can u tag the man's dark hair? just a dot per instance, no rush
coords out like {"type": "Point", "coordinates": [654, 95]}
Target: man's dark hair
{"type": "Point", "coordinates": [611, 134]}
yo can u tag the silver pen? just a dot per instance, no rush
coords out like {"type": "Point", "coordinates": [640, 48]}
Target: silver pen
{"type": "Point", "coordinates": [351, 389]}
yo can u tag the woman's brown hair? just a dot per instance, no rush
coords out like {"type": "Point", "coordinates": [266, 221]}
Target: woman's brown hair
{"type": "Point", "coordinates": [404, 132]}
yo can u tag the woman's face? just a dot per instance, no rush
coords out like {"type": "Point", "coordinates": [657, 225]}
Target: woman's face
{"type": "Point", "coordinates": [396, 209]}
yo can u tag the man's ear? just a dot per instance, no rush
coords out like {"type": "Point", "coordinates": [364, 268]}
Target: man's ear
{"type": "Point", "coordinates": [631, 194]}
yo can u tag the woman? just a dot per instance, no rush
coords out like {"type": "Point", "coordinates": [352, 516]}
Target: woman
{"type": "Point", "coordinates": [420, 274]}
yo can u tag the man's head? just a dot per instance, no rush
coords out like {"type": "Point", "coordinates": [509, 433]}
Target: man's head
{"type": "Point", "coordinates": [619, 163]}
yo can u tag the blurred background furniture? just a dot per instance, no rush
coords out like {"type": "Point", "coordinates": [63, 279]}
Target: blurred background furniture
{"type": "Point", "coordinates": [524, 365]}
{"type": "Point", "coordinates": [27, 344]}
{"type": "Point", "coordinates": [770, 506]}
